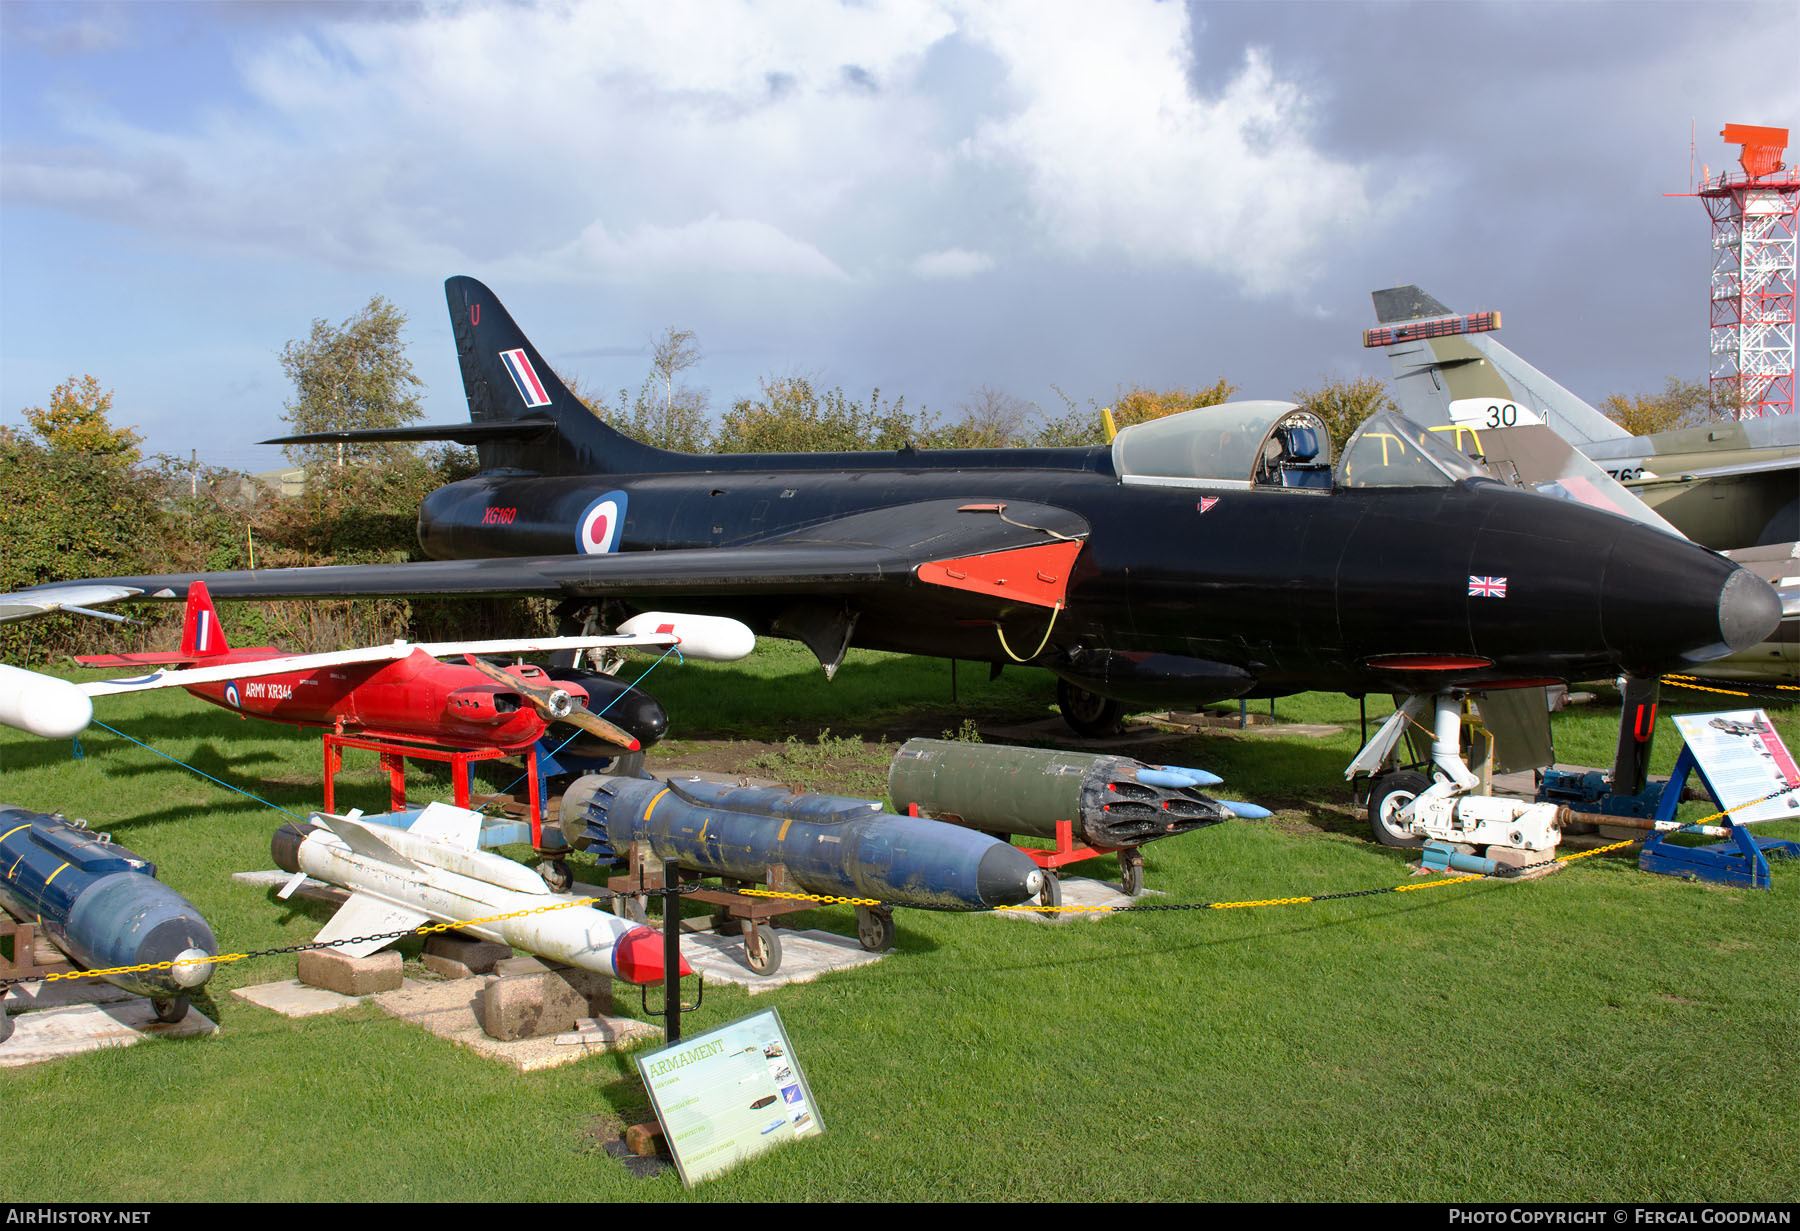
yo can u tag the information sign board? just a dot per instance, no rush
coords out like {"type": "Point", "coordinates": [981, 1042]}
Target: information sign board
{"type": "Point", "coordinates": [728, 1094]}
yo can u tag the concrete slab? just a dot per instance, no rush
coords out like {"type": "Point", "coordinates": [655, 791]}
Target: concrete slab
{"type": "Point", "coordinates": [57, 993]}
{"type": "Point", "coordinates": [292, 998]}
{"type": "Point", "coordinates": [449, 1011]}
{"type": "Point", "coordinates": [1080, 891]}
{"type": "Point", "coordinates": [310, 889]}
{"type": "Point", "coordinates": [804, 957]}
{"type": "Point", "coordinates": [73, 1029]}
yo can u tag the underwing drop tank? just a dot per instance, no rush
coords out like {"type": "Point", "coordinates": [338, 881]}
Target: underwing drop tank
{"type": "Point", "coordinates": [103, 906]}
{"type": "Point", "coordinates": [1111, 802]}
{"type": "Point", "coordinates": [828, 844]}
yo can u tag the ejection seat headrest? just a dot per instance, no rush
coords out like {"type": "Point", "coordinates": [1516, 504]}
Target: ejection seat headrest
{"type": "Point", "coordinates": [1301, 443]}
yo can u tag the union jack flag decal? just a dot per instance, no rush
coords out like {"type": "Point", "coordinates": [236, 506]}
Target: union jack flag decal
{"type": "Point", "coordinates": [1487, 587]}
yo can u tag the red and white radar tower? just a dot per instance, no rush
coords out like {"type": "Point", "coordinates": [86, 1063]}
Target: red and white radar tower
{"type": "Point", "coordinates": [1755, 218]}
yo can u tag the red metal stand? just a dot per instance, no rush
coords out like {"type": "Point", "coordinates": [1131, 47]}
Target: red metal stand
{"type": "Point", "coordinates": [393, 759]}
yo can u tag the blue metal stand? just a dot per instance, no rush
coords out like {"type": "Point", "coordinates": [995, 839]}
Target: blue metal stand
{"type": "Point", "coordinates": [1741, 861]}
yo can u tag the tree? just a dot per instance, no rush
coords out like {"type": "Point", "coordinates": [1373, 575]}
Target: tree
{"type": "Point", "coordinates": [351, 376]}
{"type": "Point", "coordinates": [681, 423]}
{"type": "Point", "coordinates": [1344, 404]}
{"type": "Point", "coordinates": [1681, 404]}
{"type": "Point", "coordinates": [793, 416]}
{"type": "Point", "coordinates": [1136, 404]}
{"type": "Point", "coordinates": [676, 351]}
{"type": "Point", "coordinates": [76, 423]}
{"type": "Point", "coordinates": [991, 419]}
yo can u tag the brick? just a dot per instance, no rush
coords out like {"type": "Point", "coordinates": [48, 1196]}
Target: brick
{"type": "Point", "coordinates": [350, 976]}
{"type": "Point", "coordinates": [456, 956]}
{"type": "Point", "coordinates": [532, 999]}
{"type": "Point", "coordinates": [530, 1006]}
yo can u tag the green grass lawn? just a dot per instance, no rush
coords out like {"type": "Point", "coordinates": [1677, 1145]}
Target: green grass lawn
{"type": "Point", "coordinates": [1601, 1034]}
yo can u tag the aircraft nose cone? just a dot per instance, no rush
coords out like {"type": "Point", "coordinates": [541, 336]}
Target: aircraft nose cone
{"type": "Point", "coordinates": [1749, 610]}
{"type": "Point", "coordinates": [1668, 605]}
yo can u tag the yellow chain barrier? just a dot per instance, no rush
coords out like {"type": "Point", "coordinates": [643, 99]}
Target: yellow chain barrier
{"type": "Point", "coordinates": [829, 899]}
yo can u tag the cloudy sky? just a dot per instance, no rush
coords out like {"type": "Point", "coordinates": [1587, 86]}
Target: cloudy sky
{"type": "Point", "coordinates": [923, 196]}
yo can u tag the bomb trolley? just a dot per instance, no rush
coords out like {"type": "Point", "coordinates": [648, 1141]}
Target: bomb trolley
{"type": "Point", "coordinates": [734, 913]}
{"type": "Point", "coordinates": [1088, 804]}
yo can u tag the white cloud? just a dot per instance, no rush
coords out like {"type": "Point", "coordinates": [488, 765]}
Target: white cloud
{"type": "Point", "coordinates": [952, 263]}
{"type": "Point", "coordinates": [711, 245]}
{"type": "Point", "coordinates": [1122, 157]}
{"type": "Point", "coordinates": [801, 140]}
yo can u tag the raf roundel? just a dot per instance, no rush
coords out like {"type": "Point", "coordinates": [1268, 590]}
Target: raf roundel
{"type": "Point", "coordinates": [231, 694]}
{"type": "Point", "coordinates": [598, 530]}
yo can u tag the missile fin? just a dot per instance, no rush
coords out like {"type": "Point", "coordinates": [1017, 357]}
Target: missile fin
{"type": "Point", "coordinates": [363, 915]}
{"type": "Point", "coordinates": [364, 839]}
{"type": "Point", "coordinates": [442, 822]}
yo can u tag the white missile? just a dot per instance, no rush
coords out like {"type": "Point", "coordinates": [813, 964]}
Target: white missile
{"type": "Point", "coordinates": [43, 704]}
{"type": "Point", "coordinates": [436, 872]}
{"type": "Point", "coordinates": [714, 638]}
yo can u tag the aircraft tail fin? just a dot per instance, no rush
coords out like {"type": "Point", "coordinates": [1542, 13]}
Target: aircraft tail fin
{"type": "Point", "coordinates": [202, 637]}
{"type": "Point", "coordinates": [1453, 373]}
{"type": "Point", "coordinates": [530, 419]}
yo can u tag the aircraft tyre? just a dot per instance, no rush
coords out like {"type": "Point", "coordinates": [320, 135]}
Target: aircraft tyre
{"type": "Point", "coordinates": [1391, 794]}
{"type": "Point", "coordinates": [631, 765]}
{"type": "Point", "coordinates": [1089, 713]}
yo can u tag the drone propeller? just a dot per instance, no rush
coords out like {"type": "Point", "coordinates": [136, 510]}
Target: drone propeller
{"type": "Point", "coordinates": [557, 705]}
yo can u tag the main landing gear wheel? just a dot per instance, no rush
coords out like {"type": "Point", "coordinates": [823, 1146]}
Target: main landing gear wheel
{"type": "Point", "coordinates": [1089, 713]}
{"type": "Point", "coordinates": [170, 1010]}
{"type": "Point", "coordinates": [1391, 794]}
{"type": "Point", "coordinates": [556, 875]}
{"type": "Point", "coordinates": [762, 950]}
{"type": "Point", "coordinates": [875, 929]}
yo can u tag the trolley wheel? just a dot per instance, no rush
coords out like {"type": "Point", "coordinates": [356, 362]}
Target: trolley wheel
{"type": "Point", "coordinates": [1051, 893]}
{"type": "Point", "coordinates": [875, 929]}
{"type": "Point", "coordinates": [632, 908]}
{"type": "Point", "coordinates": [1131, 872]}
{"type": "Point", "coordinates": [169, 1010]}
{"type": "Point", "coordinates": [763, 950]}
{"type": "Point", "coordinates": [1391, 794]}
{"type": "Point", "coordinates": [556, 875]}
{"type": "Point", "coordinates": [1089, 713]}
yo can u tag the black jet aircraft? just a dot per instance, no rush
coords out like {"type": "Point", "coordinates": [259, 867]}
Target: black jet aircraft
{"type": "Point", "coordinates": [1213, 554]}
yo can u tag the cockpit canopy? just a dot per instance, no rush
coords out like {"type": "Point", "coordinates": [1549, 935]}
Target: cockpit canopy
{"type": "Point", "coordinates": [1391, 451]}
{"type": "Point", "coordinates": [1238, 444]}
{"type": "Point", "coordinates": [1279, 444]}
